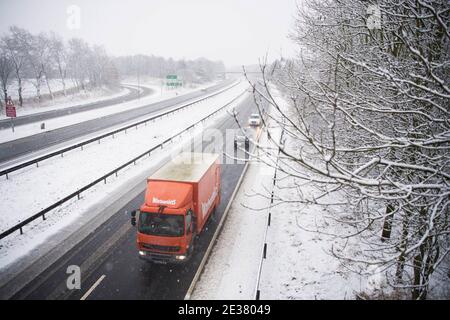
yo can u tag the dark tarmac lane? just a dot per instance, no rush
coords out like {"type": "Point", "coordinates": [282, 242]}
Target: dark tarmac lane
{"type": "Point", "coordinates": [124, 275]}
{"type": "Point", "coordinates": [12, 149]}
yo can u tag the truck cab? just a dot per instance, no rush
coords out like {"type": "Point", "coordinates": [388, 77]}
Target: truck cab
{"type": "Point", "coordinates": [179, 199]}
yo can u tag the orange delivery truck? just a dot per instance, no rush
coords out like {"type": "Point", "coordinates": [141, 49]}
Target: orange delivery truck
{"type": "Point", "coordinates": [180, 197]}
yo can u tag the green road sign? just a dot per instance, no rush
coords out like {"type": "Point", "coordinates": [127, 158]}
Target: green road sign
{"type": "Point", "coordinates": [172, 80]}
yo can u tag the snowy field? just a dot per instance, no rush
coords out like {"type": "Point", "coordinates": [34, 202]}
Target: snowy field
{"type": "Point", "coordinates": [71, 100]}
{"type": "Point", "coordinates": [61, 179]}
{"type": "Point", "coordinates": [54, 123]}
{"type": "Point", "coordinates": [29, 88]}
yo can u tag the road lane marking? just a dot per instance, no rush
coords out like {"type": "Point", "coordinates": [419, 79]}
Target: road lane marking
{"type": "Point", "coordinates": [94, 261]}
{"type": "Point", "coordinates": [93, 287]}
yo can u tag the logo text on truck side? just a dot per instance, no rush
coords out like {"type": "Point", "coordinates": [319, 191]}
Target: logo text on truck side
{"type": "Point", "coordinates": [206, 205]}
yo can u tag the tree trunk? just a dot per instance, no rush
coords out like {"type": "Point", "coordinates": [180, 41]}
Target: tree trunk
{"type": "Point", "coordinates": [49, 89]}
{"type": "Point", "coordinates": [63, 80]}
{"type": "Point", "coordinates": [5, 94]}
{"type": "Point", "coordinates": [403, 246]}
{"type": "Point", "coordinates": [64, 86]}
{"type": "Point", "coordinates": [419, 291]}
{"type": "Point", "coordinates": [38, 89]}
{"type": "Point", "coordinates": [19, 80]}
{"type": "Point", "coordinates": [47, 83]}
{"type": "Point", "coordinates": [387, 226]}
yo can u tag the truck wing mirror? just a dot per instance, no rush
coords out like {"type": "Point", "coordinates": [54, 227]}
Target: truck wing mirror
{"type": "Point", "coordinates": [133, 217]}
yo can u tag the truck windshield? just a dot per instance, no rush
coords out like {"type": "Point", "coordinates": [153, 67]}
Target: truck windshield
{"type": "Point", "coordinates": [168, 225]}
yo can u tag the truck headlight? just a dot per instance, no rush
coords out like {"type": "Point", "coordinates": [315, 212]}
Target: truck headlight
{"type": "Point", "coordinates": [142, 253]}
{"type": "Point", "coordinates": [180, 257]}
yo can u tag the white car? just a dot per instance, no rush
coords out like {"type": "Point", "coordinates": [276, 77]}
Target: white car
{"type": "Point", "coordinates": [254, 120]}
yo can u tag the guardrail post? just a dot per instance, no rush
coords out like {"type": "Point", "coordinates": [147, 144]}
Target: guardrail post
{"type": "Point", "coordinates": [7, 177]}
{"type": "Point", "coordinates": [104, 180]}
{"type": "Point", "coordinates": [43, 216]}
{"type": "Point", "coordinates": [21, 231]}
{"type": "Point", "coordinates": [37, 164]}
{"type": "Point", "coordinates": [78, 195]}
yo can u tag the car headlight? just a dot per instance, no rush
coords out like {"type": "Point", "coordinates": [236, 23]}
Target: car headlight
{"type": "Point", "coordinates": [142, 253]}
{"type": "Point", "coordinates": [180, 257]}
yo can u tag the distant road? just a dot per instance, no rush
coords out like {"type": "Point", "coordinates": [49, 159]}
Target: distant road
{"type": "Point", "coordinates": [12, 149]}
{"type": "Point", "coordinates": [41, 116]}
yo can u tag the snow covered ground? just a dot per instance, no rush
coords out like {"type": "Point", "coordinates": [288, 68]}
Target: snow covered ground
{"type": "Point", "coordinates": [51, 124]}
{"type": "Point", "coordinates": [299, 263]}
{"type": "Point", "coordinates": [232, 269]}
{"type": "Point", "coordinates": [32, 189]}
{"type": "Point", "coordinates": [76, 99]}
{"type": "Point", "coordinates": [29, 89]}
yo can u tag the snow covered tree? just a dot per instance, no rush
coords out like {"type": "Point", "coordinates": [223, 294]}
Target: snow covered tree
{"type": "Point", "coordinates": [17, 53]}
{"type": "Point", "coordinates": [6, 69]}
{"type": "Point", "coordinates": [59, 56]}
{"type": "Point", "coordinates": [369, 107]}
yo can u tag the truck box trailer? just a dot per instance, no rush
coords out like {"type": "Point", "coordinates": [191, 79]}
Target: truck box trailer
{"type": "Point", "coordinates": [180, 197]}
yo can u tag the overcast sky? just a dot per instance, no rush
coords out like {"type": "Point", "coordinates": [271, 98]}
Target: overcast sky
{"type": "Point", "coordinates": [234, 31]}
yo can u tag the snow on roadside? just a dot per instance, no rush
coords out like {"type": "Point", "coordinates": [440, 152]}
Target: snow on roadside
{"type": "Point", "coordinates": [232, 268]}
{"type": "Point", "coordinates": [32, 189]}
{"type": "Point", "coordinates": [297, 264]}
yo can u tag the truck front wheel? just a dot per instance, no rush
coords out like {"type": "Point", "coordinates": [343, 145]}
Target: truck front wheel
{"type": "Point", "coordinates": [190, 249]}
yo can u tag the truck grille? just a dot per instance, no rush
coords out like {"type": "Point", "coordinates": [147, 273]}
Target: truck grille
{"type": "Point", "coordinates": [161, 248]}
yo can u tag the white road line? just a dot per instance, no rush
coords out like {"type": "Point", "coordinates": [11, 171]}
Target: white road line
{"type": "Point", "coordinates": [93, 287]}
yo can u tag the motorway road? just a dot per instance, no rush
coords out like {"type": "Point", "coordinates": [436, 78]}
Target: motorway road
{"type": "Point", "coordinates": [22, 146]}
{"type": "Point", "coordinates": [35, 117]}
{"type": "Point", "coordinates": [110, 253]}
